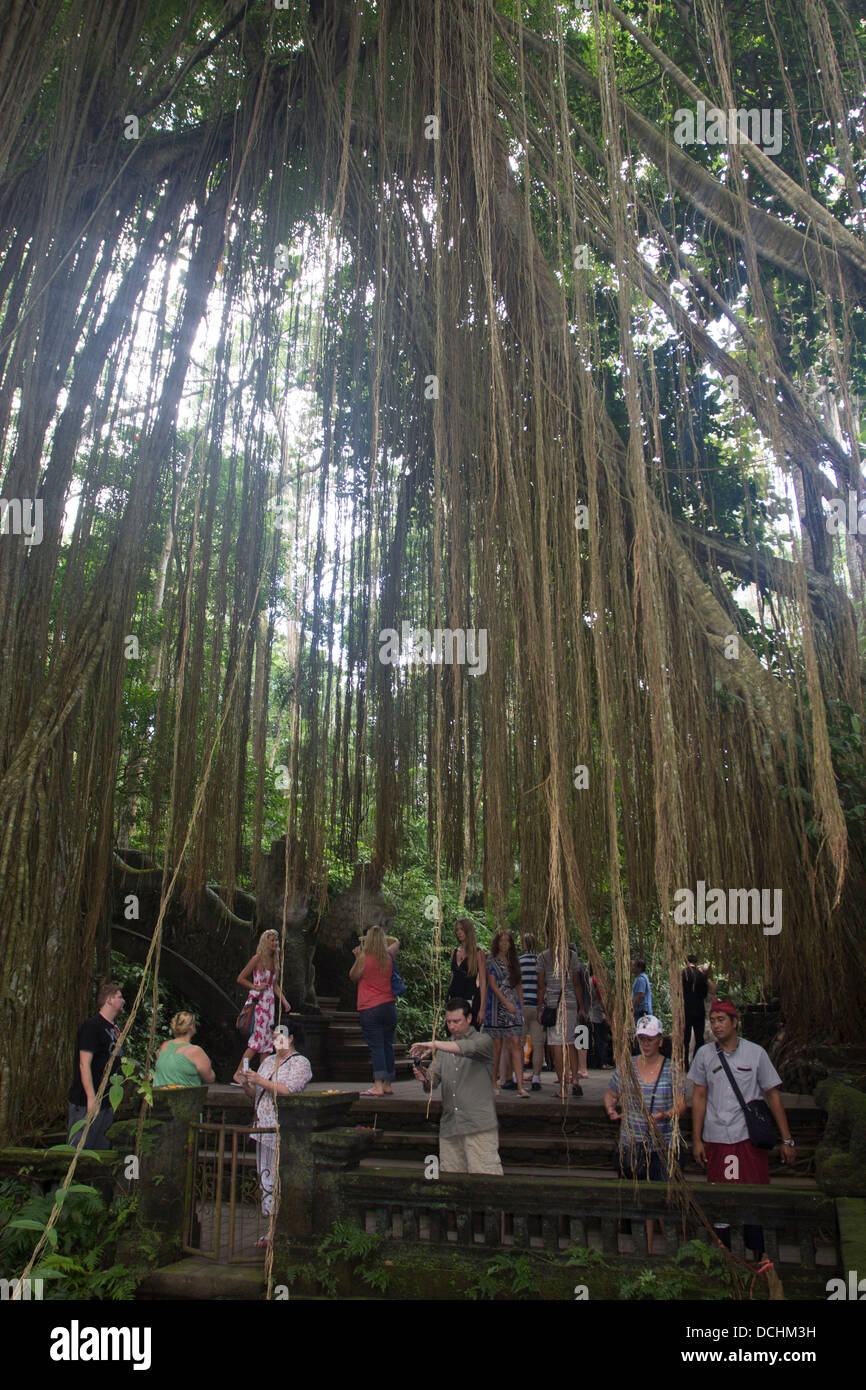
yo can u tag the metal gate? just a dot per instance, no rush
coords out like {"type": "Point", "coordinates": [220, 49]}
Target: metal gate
{"type": "Point", "coordinates": [222, 1218]}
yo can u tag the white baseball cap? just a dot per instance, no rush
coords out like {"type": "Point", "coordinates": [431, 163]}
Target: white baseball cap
{"type": "Point", "coordinates": [648, 1027]}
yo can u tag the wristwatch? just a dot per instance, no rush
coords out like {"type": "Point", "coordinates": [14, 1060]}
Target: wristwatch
{"type": "Point", "coordinates": [789, 1143]}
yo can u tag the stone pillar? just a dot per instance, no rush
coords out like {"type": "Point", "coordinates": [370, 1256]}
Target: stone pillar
{"type": "Point", "coordinates": [163, 1170]}
{"type": "Point", "coordinates": [302, 1122]}
{"type": "Point", "coordinates": [335, 1152]}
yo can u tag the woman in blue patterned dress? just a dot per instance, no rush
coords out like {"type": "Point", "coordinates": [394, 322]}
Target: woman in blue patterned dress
{"type": "Point", "coordinates": [504, 1021]}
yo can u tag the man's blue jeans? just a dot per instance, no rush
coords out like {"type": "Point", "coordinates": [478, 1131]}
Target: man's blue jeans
{"type": "Point", "coordinates": [97, 1137]}
{"type": "Point", "coordinates": [378, 1026]}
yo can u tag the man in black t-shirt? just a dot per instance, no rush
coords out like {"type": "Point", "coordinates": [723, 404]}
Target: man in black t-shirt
{"type": "Point", "coordinates": [94, 1045]}
{"type": "Point", "coordinates": [697, 983]}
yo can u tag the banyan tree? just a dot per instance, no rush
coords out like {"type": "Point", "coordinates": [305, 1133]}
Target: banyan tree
{"type": "Point", "coordinates": [434, 405]}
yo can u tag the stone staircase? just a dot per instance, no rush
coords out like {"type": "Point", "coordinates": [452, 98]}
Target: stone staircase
{"type": "Point", "coordinates": [348, 1054]}
{"type": "Point", "coordinates": [542, 1133]}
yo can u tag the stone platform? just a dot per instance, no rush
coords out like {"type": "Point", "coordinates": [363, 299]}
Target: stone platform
{"type": "Point", "coordinates": [539, 1134]}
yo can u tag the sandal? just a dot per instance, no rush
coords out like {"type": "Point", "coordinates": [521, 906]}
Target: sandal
{"type": "Point", "coordinates": [263, 1242]}
{"type": "Point", "coordinates": [377, 1095]}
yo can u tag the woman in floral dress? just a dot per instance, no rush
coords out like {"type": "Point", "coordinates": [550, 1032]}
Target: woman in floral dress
{"type": "Point", "coordinates": [285, 1073]}
{"type": "Point", "coordinates": [504, 1020]}
{"type": "Point", "coordinates": [263, 986]}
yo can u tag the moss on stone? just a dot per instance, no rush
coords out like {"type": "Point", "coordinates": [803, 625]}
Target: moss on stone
{"type": "Point", "coordinates": [840, 1158]}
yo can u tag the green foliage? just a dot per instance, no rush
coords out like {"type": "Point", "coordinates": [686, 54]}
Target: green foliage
{"type": "Point", "coordinates": [346, 1243]}
{"type": "Point", "coordinates": [412, 890]}
{"type": "Point", "coordinates": [840, 1159]}
{"type": "Point", "coordinates": [845, 733]}
{"type": "Point", "coordinates": [356, 1247]}
{"type": "Point", "coordinates": [80, 1263]}
{"type": "Point", "coordinates": [516, 1275]}
{"type": "Point", "coordinates": [506, 1276]}
{"type": "Point", "coordinates": [694, 1260]}
{"type": "Point", "coordinates": [128, 975]}
{"type": "Point", "coordinates": [660, 1284]}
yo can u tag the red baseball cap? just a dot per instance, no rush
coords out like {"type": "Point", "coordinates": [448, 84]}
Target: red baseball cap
{"type": "Point", "coordinates": [724, 1006]}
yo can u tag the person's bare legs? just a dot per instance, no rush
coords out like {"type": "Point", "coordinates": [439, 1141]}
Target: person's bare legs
{"type": "Point", "coordinates": [497, 1053]}
{"type": "Point", "coordinates": [556, 1049]}
{"type": "Point", "coordinates": [515, 1048]}
{"type": "Point", "coordinates": [581, 1062]}
{"type": "Point", "coordinates": [572, 1065]}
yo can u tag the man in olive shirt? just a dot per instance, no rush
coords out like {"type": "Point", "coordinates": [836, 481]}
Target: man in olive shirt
{"type": "Point", "coordinates": [468, 1129]}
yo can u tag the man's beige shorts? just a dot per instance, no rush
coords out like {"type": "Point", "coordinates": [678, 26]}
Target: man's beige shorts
{"type": "Point", "coordinates": [471, 1153]}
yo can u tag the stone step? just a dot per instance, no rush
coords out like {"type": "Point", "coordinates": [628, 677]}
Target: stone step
{"type": "Point", "coordinates": [196, 1277]}
{"type": "Point", "coordinates": [602, 1175]}
{"type": "Point", "coordinates": [544, 1113]}
{"type": "Point", "coordinates": [533, 1151]}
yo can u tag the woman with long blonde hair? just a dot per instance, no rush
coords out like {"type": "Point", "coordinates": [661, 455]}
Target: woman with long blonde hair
{"type": "Point", "coordinates": [469, 970]}
{"type": "Point", "coordinates": [263, 987]}
{"type": "Point", "coordinates": [377, 1009]}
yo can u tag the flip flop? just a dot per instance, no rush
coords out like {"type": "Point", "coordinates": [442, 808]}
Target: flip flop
{"type": "Point", "coordinates": [376, 1094]}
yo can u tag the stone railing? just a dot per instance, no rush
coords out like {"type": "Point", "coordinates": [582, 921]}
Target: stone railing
{"type": "Point", "coordinates": [445, 1227]}
{"type": "Point", "coordinates": [554, 1214]}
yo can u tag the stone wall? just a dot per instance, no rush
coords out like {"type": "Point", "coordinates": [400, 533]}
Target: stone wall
{"type": "Point", "coordinates": [361, 906]}
{"type": "Point", "coordinates": [317, 959]}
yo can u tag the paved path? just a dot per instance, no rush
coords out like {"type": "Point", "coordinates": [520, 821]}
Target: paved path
{"type": "Point", "coordinates": [594, 1088]}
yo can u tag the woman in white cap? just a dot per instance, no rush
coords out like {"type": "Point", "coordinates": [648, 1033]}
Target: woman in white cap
{"type": "Point", "coordinates": [284, 1072]}
{"type": "Point", "coordinates": [644, 1150]}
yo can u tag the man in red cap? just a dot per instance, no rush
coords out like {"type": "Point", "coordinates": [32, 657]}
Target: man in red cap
{"type": "Point", "coordinates": [720, 1133]}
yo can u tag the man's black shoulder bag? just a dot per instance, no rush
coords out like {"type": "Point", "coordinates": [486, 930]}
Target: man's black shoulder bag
{"type": "Point", "coordinates": [759, 1119]}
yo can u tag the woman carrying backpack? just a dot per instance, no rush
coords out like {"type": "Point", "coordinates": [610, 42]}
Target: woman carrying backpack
{"type": "Point", "coordinates": [377, 1010]}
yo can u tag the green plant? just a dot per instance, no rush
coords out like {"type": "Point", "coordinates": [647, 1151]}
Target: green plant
{"type": "Point", "coordinates": [696, 1260]}
{"type": "Point", "coordinates": [509, 1276]}
{"type": "Point", "coordinates": [79, 1263]}
{"type": "Point", "coordinates": [350, 1243]}
{"type": "Point", "coordinates": [586, 1258]}
{"type": "Point", "coordinates": [661, 1283]}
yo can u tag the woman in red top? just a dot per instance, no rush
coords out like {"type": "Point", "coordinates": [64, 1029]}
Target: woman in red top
{"type": "Point", "coordinates": [374, 962]}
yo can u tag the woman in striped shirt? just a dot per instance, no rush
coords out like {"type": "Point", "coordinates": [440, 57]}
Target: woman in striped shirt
{"type": "Point", "coordinates": [532, 1028]}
